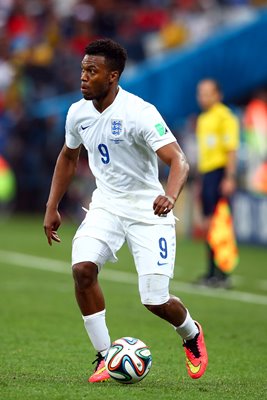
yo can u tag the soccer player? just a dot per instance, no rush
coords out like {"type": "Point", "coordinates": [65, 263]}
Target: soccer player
{"type": "Point", "coordinates": [123, 135]}
{"type": "Point", "coordinates": [217, 135]}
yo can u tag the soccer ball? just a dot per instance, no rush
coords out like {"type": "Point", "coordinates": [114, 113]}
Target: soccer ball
{"type": "Point", "coordinates": [128, 360]}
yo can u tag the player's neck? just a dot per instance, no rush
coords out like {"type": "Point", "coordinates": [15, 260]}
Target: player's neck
{"type": "Point", "coordinates": [104, 102]}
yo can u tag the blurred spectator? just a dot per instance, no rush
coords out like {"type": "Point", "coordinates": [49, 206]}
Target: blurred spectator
{"type": "Point", "coordinates": [255, 127]}
{"type": "Point", "coordinates": [7, 186]}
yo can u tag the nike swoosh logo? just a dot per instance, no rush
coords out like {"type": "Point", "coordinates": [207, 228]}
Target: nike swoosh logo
{"type": "Point", "coordinates": [100, 371]}
{"type": "Point", "coordinates": [84, 127]}
{"type": "Point", "coordinates": [160, 264]}
{"type": "Point", "coordinates": [193, 368]}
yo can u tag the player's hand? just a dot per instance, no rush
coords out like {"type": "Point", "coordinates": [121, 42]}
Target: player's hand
{"type": "Point", "coordinates": [228, 186]}
{"type": "Point", "coordinates": [163, 205]}
{"type": "Point", "coordinates": [52, 222]}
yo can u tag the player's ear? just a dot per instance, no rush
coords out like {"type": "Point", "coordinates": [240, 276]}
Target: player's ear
{"type": "Point", "coordinates": [114, 76]}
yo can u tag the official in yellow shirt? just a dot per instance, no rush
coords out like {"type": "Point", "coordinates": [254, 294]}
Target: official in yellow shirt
{"type": "Point", "coordinates": [217, 135]}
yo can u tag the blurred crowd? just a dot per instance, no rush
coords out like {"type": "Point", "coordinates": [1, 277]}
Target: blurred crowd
{"type": "Point", "coordinates": [41, 45]}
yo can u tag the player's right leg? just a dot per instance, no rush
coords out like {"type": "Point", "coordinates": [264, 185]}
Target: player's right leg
{"type": "Point", "coordinates": [92, 247]}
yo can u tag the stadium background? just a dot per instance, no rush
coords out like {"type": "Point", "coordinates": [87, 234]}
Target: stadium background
{"type": "Point", "coordinates": [171, 45]}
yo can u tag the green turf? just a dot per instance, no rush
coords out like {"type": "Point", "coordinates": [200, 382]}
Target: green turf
{"type": "Point", "coordinates": [45, 352]}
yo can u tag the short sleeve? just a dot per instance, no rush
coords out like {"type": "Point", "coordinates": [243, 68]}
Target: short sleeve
{"type": "Point", "coordinates": [230, 132]}
{"type": "Point", "coordinates": [72, 137]}
{"type": "Point", "coordinates": [153, 128]}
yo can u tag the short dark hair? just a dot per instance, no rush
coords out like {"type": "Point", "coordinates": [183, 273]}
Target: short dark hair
{"type": "Point", "coordinates": [113, 52]}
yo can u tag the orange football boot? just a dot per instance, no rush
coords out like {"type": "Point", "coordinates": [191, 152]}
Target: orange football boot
{"type": "Point", "coordinates": [196, 354]}
{"type": "Point", "coordinates": [101, 374]}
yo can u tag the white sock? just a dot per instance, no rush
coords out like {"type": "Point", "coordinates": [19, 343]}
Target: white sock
{"type": "Point", "coordinates": [188, 329]}
{"type": "Point", "coordinates": [97, 330]}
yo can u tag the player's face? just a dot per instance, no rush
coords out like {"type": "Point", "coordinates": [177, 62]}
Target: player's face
{"type": "Point", "coordinates": [207, 94]}
{"type": "Point", "coordinates": [96, 77]}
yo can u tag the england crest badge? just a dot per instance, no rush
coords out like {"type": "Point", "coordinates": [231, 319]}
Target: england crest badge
{"type": "Point", "coordinates": [116, 127]}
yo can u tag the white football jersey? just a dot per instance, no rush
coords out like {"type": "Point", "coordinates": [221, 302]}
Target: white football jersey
{"type": "Point", "coordinates": [121, 143]}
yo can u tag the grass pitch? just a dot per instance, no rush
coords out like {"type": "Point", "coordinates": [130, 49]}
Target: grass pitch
{"type": "Point", "coordinates": [45, 352]}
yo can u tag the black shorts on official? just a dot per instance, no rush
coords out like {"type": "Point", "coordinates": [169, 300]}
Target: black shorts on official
{"type": "Point", "coordinates": [210, 193]}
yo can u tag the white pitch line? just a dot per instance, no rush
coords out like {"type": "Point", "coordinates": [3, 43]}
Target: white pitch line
{"type": "Point", "coordinates": [48, 264]}
{"type": "Point", "coordinates": [30, 261]}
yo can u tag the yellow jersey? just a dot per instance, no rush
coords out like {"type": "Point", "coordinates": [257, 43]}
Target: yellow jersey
{"type": "Point", "coordinates": [217, 133]}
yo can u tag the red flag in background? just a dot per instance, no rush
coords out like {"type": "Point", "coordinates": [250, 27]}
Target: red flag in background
{"type": "Point", "coordinates": [221, 238]}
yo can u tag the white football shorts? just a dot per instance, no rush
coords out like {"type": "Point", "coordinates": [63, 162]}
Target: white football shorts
{"type": "Point", "coordinates": [101, 234]}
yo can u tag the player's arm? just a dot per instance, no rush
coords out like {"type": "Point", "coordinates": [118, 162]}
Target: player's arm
{"type": "Point", "coordinates": [64, 171]}
{"type": "Point", "coordinates": [230, 128]}
{"type": "Point", "coordinates": [172, 155]}
{"type": "Point", "coordinates": [228, 184]}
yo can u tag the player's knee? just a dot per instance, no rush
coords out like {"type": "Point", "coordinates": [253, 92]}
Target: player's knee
{"type": "Point", "coordinates": [84, 274]}
{"type": "Point", "coordinates": [154, 292]}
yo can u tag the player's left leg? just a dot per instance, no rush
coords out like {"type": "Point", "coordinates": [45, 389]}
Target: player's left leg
{"type": "Point", "coordinates": [153, 249]}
